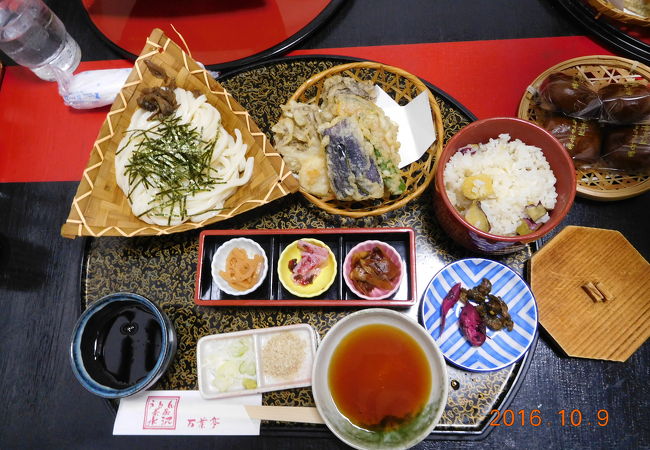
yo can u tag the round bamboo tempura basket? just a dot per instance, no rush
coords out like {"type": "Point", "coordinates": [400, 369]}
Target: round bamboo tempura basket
{"type": "Point", "coordinates": [402, 87]}
{"type": "Point", "coordinates": [607, 9]}
{"type": "Point", "coordinates": [593, 183]}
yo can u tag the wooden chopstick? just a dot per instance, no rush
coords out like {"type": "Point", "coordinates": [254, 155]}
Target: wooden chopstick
{"type": "Point", "coordinates": [301, 414]}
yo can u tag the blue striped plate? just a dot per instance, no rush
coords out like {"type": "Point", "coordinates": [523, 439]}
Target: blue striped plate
{"type": "Point", "coordinates": [502, 347]}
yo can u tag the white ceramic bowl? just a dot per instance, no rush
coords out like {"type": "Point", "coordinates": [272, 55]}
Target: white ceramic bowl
{"type": "Point", "coordinates": [376, 293]}
{"type": "Point", "coordinates": [406, 436]}
{"type": "Point", "coordinates": [219, 263]}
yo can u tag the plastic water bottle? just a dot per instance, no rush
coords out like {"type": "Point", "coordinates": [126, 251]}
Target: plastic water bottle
{"type": "Point", "coordinates": [34, 37]}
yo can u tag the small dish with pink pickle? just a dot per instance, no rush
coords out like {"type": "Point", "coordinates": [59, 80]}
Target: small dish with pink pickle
{"type": "Point", "coordinates": [373, 270]}
{"type": "Point", "coordinates": [307, 267]}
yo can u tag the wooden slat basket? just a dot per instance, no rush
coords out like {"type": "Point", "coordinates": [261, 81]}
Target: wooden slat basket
{"type": "Point", "coordinates": [608, 9]}
{"type": "Point", "coordinates": [100, 208]}
{"type": "Point", "coordinates": [402, 87]}
{"type": "Point", "coordinates": [595, 184]}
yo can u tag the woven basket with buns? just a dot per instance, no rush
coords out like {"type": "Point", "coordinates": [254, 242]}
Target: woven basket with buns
{"type": "Point", "coordinates": [596, 184]}
{"type": "Point", "coordinates": [100, 208]}
{"type": "Point", "coordinates": [402, 87]}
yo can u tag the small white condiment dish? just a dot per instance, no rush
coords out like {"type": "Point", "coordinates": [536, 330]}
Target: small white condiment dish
{"type": "Point", "coordinates": [376, 293]}
{"type": "Point", "coordinates": [214, 350]}
{"type": "Point", "coordinates": [252, 248]}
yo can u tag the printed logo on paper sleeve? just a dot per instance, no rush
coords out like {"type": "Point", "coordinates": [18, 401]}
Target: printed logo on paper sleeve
{"type": "Point", "coordinates": [160, 413]}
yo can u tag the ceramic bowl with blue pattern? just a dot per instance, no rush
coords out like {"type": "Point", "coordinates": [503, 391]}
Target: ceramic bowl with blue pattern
{"type": "Point", "coordinates": [502, 347]}
{"type": "Point", "coordinates": [122, 344]}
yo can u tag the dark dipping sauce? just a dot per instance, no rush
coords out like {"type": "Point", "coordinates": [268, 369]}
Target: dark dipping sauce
{"type": "Point", "coordinates": [379, 377]}
{"type": "Point", "coordinates": [121, 344]}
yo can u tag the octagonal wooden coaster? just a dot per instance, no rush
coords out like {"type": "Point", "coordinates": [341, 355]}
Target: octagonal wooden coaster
{"type": "Point", "coordinates": [593, 293]}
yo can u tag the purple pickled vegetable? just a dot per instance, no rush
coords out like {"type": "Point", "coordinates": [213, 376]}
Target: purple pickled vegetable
{"type": "Point", "coordinates": [532, 224]}
{"type": "Point", "coordinates": [468, 149]}
{"type": "Point", "coordinates": [450, 300]}
{"type": "Point", "coordinates": [471, 325]}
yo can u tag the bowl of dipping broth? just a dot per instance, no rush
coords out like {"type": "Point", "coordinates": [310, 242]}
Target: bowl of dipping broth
{"type": "Point", "coordinates": [502, 183]}
{"type": "Point", "coordinates": [379, 380]}
{"type": "Point", "coordinates": [122, 344]}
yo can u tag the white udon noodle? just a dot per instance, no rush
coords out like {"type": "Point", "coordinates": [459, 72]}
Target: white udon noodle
{"type": "Point", "coordinates": [228, 161]}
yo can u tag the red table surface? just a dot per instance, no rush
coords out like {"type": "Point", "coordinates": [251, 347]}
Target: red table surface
{"type": "Point", "coordinates": [44, 140]}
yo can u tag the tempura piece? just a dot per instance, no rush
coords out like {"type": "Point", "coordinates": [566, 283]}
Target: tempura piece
{"type": "Point", "coordinates": [352, 171]}
{"type": "Point", "coordinates": [338, 86]}
{"type": "Point", "coordinates": [298, 140]}
{"type": "Point", "coordinates": [303, 143]}
{"type": "Point", "coordinates": [346, 97]}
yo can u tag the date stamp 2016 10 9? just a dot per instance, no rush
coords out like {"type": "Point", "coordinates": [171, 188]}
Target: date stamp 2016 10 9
{"type": "Point", "coordinates": [534, 418]}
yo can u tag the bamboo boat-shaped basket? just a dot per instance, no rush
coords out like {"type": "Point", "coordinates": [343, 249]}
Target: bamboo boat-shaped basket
{"type": "Point", "coordinates": [100, 208]}
{"type": "Point", "coordinates": [605, 8]}
{"type": "Point", "coordinates": [594, 183]}
{"type": "Point", "coordinates": [402, 87]}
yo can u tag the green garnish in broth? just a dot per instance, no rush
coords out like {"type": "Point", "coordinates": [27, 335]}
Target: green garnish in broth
{"type": "Point", "coordinates": [173, 159]}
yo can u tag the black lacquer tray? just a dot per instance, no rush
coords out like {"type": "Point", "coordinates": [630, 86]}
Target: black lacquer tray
{"type": "Point", "coordinates": [606, 30]}
{"type": "Point", "coordinates": [163, 268]}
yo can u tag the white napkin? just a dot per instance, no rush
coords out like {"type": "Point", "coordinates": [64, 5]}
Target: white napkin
{"type": "Point", "coordinates": [185, 413]}
{"type": "Point", "coordinates": [93, 88]}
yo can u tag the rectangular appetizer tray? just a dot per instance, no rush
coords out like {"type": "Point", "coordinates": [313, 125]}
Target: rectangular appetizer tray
{"type": "Point", "coordinates": [272, 293]}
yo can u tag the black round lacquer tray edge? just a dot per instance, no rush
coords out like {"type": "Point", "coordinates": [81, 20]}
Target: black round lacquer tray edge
{"type": "Point", "coordinates": [281, 47]}
{"type": "Point", "coordinates": [606, 31]}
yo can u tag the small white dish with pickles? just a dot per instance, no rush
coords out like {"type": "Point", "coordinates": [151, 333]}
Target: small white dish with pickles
{"type": "Point", "coordinates": [255, 361]}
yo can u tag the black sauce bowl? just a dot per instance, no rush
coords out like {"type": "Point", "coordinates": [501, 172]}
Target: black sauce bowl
{"type": "Point", "coordinates": [122, 344]}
